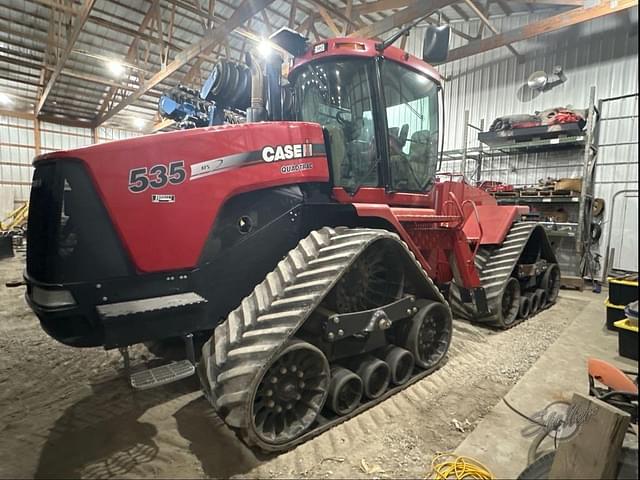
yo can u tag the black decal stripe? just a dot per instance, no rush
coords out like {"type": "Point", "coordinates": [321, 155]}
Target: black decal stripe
{"type": "Point", "coordinates": [237, 160]}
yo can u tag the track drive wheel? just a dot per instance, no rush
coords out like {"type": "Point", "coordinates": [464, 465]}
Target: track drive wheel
{"type": "Point", "coordinates": [551, 282]}
{"type": "Point", "coordinates": [428, 335]}
{"type": "Point", "coordinates": [290, 394]}
{"type": "Point", "coordinates": [509, 305]}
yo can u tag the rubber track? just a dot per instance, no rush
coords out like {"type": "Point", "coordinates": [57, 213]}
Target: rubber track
{"type": "Point", "coordinates": [243, 346]}
{"type": "Point", "coordinates": [495, 266]}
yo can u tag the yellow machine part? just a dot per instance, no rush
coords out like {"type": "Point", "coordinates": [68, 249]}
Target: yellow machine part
{"type": "Point", "coordinates": [15, 219]}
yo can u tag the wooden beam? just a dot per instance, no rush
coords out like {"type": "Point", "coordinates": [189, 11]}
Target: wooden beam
{"type": "Point", "coordinates": [334, 11]}
{"type": "Point", "coordinates": [550, 24]}
{"type": "Point", "coordinates": [504, 6]}
{"type": "Point", "coordinates": [37, 138]}
{"type": "Point", "coordinates": [210, 12]}
{"type": "Point", "coordinates": [246, 10]}
{"type": "Point", "coordinates": [460, 12]}
{"type": "Point", "coordinates": [415, 11]}
{"type": "Point", "coordinates": [292, 14]}
{"type": "Point", "coordinates": [329, 21]}
{"type": "Point", "coordinates": [160, 125]}
{"type": "Point", "coordinates": [71, 41]}
{"type": "Point", "coordinates": [349, 14]}
{"type": "Point", "coordinates": [573, 3]}
{"type": "Point", "coordinates": [484, 19]}
{"type": "Point", "coordinates": [380, 5]}
{"type": "Point", "coordinates": [55, 5]}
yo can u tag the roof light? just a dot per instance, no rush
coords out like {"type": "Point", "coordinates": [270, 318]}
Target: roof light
{"type": "Point", "coordinates": [265, 49]}
{"type": "Point", "coordinates": [5, 99]}
{"type": "Point", "coordinates": [115, 67]}
{"type": "Point", "coordinates": [139, 123]}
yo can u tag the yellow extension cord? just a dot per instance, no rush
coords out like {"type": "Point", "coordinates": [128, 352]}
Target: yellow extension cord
{"type": "Point", "coordinates": [458, 468]}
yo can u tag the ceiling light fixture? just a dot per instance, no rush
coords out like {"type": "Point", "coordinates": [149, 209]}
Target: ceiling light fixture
{"type": "Point", "coordinates": [115, 67]}
{"type": "Point", "coordinates": [5, 99]}
{"type": "Point", "coordinates": [264, 48]}
{"type": "Point", "coordinates": [139, 123]}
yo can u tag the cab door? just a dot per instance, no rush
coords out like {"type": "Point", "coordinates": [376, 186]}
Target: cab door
{"type": "Point", "coordinates": [410, 104]}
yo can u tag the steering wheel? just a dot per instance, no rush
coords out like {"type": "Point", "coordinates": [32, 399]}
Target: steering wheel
{"type": "Point", "coordinates": [341, 120]}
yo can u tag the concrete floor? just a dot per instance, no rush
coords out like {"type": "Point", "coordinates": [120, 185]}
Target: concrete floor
{"type": "Point", "coordinates": [68, 412]}
{"type": "Point", "coordinates": [498, 440]}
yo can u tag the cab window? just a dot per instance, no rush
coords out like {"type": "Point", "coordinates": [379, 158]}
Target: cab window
{"type": "Point", "coordinates": [337, 95]}
{"type": "Point", "coordinates": [411, 104]}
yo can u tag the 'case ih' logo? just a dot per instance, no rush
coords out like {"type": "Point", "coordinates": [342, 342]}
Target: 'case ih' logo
{"type": "Point", "coordinates": [286, 152]}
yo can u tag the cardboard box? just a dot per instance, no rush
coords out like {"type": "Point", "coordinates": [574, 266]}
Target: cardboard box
{"type": "Point", "coordinates": [571, 184]}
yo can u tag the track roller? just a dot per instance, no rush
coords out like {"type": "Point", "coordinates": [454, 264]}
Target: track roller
{"type": "Point", "coordinates": [401, 363]}
{"type": "Point", "coordinates": [536, 298]}
{"type": "Point", "coordinates": [525, 307]}
{"type": "Point", "coordinates": [428, 335]}
{"type": "Point", "coordinates": [345, 391]}
{"type": "Point", "coordinates": [544, 299]}
{"type": "Point", "coordinates": [375, 375]}
{"type": "Point", "coordinates": [290, 394]}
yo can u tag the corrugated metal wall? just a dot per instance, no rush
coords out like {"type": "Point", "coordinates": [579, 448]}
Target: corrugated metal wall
{"type": "Point", "coordinates": [601, 53]}
{"type": "Point", "coordinates": [18, 147]}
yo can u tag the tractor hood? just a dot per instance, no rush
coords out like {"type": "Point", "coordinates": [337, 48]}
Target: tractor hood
{"type": "Point", "coordinates": [154, 187]}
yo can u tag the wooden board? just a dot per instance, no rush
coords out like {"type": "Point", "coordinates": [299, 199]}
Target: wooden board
{"type": "Point", "coordinates": [593, 450]}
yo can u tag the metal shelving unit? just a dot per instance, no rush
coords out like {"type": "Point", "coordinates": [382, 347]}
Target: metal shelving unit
{"type": "Point", "coordinates": [529, 161]}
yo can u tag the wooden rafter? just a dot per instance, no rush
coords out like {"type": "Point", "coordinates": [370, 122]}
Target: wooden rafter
{"type": "Point", "coordinates": [349, 14]}
{"type": "Point", "coordinates": [329, 21]}
{"type": "Point", "coordinates": [484, 19]}
{"type": "Point", "coordinates": [504, 6]}
{"type": "Point", "coordinates": [550, 24]}
{"type": "Point", "coordinates": [413, 12]}
{"type": "Point", "coordinates": [337, 13]}
{"type": "Point", "coordinates": [460, 12]}
{"type": "Point", "coordinates": [131, 53]}
{"type": "Point", "coordinates": [79, 22]}
{"type": "Point", "coordinates": [246, 10]}
{"type": "Point", "coordinates": [380, 5]}
{"type": "Point", "coordinates": [570, 3]}
{"type": "Point", "coordinates": [292, 14]}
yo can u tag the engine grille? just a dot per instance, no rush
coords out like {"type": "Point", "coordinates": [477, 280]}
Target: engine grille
{"type": "Point", "coordinates": [69, 236]}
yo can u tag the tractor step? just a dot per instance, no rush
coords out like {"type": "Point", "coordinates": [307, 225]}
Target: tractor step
{"type": "Point", "coordinates": [162, 374]}
{"type": "Point", "coordinates": [168, 373]}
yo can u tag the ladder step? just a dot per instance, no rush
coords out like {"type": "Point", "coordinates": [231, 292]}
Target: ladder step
{"type": "Point", "coordinates": [168, 373]}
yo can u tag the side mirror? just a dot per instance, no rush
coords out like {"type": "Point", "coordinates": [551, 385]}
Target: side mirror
{"type": "Point", "coordinates": [435, 47]}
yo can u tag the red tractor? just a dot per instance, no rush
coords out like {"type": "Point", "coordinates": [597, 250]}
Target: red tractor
{"type": "Point", "coordinates": [314, 240]}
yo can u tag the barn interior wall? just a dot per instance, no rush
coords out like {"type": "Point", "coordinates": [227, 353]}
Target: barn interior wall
{"type": "Point", "coordinates": [602, 53]}
{"type": "Point", "coordinates": [18, 147]}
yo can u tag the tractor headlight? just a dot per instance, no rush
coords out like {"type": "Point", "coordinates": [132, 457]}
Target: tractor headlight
{"type": "Point", "coordinates": [52, 298]}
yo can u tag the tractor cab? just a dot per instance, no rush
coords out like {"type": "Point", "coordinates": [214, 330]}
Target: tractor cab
{"type": "Point", "coordinates": [398, 148]}
{"type": "Point", "coordinates": [381, 109]}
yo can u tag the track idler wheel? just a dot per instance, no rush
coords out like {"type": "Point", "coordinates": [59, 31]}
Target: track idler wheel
{"type": "Point", "coordinates": [290, 393]}
{"type": "Point", "coordinates": [401, 363]}
{"type": "Point", "coordinates": [375, 375]}
{"type": "Point", "coordinates": [525, 307]}
{"type": "Point", "coordinates": [509, 303]}
{"type": "Point", "coordinates": [429, 334]}
{"type": "Point", "coordinates": [551, 282]}
{"type": "Point", "coordinates": [345, 391]}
